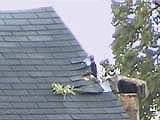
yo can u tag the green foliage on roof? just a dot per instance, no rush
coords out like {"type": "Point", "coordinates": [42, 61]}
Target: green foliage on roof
{"type": "Point", "coordinates": [61, 89]}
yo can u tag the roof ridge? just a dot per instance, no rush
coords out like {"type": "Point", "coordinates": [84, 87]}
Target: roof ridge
{"type": "Point", "coordinates": [40, 9]}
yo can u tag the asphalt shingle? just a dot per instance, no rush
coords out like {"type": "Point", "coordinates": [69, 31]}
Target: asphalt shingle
{"type": "Point", "coordinates": [37, 49]}
{"type": "Point", "coordinates": [40, 21]}
{"type": "Point", "coordinates": [47, 15]}
{"type": "Point", "coordinates": [24, 15]}
{"type": "Point", "coordinates": [5, 16]}
{"type": "Point", "coordinates": [16, 22]}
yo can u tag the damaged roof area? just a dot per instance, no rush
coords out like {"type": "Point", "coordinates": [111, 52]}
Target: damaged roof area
{"type": "Point", "coordinates": [37, 49]}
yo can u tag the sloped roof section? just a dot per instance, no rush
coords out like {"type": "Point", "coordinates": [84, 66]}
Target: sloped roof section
{"type": "Point", "coordinates": [37, 49]}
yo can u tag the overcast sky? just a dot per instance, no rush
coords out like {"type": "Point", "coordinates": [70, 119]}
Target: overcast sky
{"type": "Point", "coordinates": [89, 21]}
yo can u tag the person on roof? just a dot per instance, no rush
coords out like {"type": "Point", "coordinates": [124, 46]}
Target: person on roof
{"type": "Point", "coordinates": [93, 66]}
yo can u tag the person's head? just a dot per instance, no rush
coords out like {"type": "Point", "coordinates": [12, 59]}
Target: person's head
{"type": "Point", "coordinates": [91, 58]}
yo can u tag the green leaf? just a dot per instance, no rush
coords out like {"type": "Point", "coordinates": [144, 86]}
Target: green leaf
{"type": "Point", "coordinates": [141, 29]}
{"type": "Point", "coordinates": [61, 89]}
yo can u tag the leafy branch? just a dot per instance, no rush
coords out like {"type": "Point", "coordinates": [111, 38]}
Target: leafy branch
{"type": "Point", "coordinates": [136, 46]}
{"type": "Point", "coordinates": [61, 89]}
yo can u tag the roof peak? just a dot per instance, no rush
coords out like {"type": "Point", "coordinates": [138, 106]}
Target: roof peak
{"type": "Point", "coordinates": [40, 9]}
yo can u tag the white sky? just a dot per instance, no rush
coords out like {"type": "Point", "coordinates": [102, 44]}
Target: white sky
{"type": "Point", "coordinates": [89, 21]}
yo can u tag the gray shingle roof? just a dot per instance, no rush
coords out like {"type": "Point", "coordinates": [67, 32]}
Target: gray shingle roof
{"type": "Point", "coordinates": [36, 48]}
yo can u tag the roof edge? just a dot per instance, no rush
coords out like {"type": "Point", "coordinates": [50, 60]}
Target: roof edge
{"type": "Point", "coordinates": [40, 9]}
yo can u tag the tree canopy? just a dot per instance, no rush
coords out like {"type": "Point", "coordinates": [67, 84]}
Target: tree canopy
{"type": "Point", "coordinates": [136, 46]}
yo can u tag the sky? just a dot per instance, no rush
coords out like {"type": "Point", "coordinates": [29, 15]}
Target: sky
{"type": "Point", "coordinates": [89, 21]}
